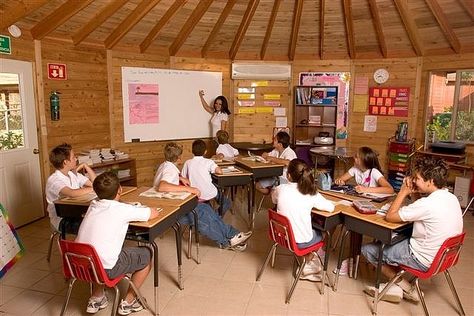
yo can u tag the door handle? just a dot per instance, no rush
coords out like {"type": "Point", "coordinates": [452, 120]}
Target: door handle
{"type": "Point", "coordinates": [36, 151]}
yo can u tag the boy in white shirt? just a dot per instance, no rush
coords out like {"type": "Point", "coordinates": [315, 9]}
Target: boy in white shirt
{"type": "Point", "coordinates": [225, 150]}
{"type": "Point", "coordinates": [167, 179]}
{"type": "Point", "coordinates": [435, 218]}
{"type": "Point", "coordinates": [282, 154]}
{"type": "Point", "coordinates": [104, 227]}
{"type": "Point", "coordinates": [66, 181]}
{"type": "Point", "coordinates": [198, 170]}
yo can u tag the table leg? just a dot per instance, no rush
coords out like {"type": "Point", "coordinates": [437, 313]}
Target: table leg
{"type": "Point", "coordinates": [221, 201]}
{"type": "Point", "coordinates": [339, 261]}
{"type": "Point", "coordinates": [249, 206]}
{"type": "Point", "coordinates": [62, 228]}
{"type": "Point", "coordinates": [196, 234]}
{"type": "Point", "coordinates": [155, 274]}
{"type": "Point", "coordinates": [177, 231]}
{"type": "Point", "coordinates": [377, 277]}
{"type": "Point", "coordinates": [326, 262]}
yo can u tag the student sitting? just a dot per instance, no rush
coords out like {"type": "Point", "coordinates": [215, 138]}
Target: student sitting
{"type": "Point", "coordinates": [167, 179]}
{"type": "Point", "coordinates": [104, 227]}
{"type": "Point", "coordinates": [282, 154]}
{"type": "Point", "coordinates": [225, 150]}
{"type": "Point", "coordinates": [435, 218]}
{"type": "Point", "coordinates": [66, 181]}
{"type": "Point", "coordinates": [295, 200]}
{"type": "Point", "coordinates": [367, 174]}
{"type": "Point", "coordinates": [198, 170]}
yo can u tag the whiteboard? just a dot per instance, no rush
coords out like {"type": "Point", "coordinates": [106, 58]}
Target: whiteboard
{"type": "Point", "coordinates": [164, 104]}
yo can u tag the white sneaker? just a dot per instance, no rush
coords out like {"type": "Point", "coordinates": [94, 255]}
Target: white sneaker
{"type": "Point", "coordinates": [311, 267]}
{"type": "Point", "coordinates": [126, 308]}
{"type": "Point", "coordinates": [344, 268]}
{"type": "Point", "coordinates": [394, 293]}
{"type": "Point", "coordinates": [311, 277]}
{"type": "Point", "coordinates": [96, 303]}
{"type": "Point", "coordinates": [412, 295]}
{"type": "Point", "coordinates": [240, 238]}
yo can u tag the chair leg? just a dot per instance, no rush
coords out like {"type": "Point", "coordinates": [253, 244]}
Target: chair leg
{"type": "Point", "coordinates": [273, 257]}
{"type": "Point", "coordinates": [140, 297]}
{"type": "Point", "coordinates": [260, 272]}
{"type": "Point", "coordinates": [468, 206]}
{"type": "Point", "coordinates": [455, 293]}
{"type": "Point", "coordinates": [295, 281]}
{"type": "Point", "coordinates": [51, 240]}
{"type": "Point", "coordinates": [422, 298]}
{"type": "Point", "coordinates": [68, 295]}
{"type": "Point", "coordinates": [190, 242]}
{"type": "Point", "coordinates": [116, 299]}
{"type": "Point", "coordinates": [389, 284]}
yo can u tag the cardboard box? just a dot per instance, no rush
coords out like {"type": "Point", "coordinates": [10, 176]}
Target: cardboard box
{"type": "Point", "coordinates": [461, 190]}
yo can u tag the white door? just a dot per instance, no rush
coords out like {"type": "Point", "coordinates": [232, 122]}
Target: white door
{"type": "Point", "coordinates": [20, 176]}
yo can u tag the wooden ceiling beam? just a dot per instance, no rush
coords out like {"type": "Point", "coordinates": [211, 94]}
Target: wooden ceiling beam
{"type": "Point", "coordinates": [322, 5]}
{"type": "Point", "coordinates": [161, 23]}
{"type": "Point", "coordinates": [378, 27]}
{"type": "Point", "coordinates": [298, 10]}
{"type": "Point", "coordinates": [268, 33]}
{"type": "Point", "coordinates": [215, 30]}
{"type": "Point", "coordinates": [468, 6]}
{"type": "Point", "coordinates": [20, 10]}
{"type": "Point", "coordinates": [244, 24]}
{"type": "Point", "coordinates": [410, 26]}
{"type": "Point", "coordinates": [349, 24]}
{"type": "Point", "coordinates": [97, 20]}
{"type": "Point", "coordinates": [130, 21]}
{"type": "Point", "coordinates": [187, 28]}
{"type": "Point", "coordinates": [58, 17]}
{"type": "Point", "coordinates": [444, 24]}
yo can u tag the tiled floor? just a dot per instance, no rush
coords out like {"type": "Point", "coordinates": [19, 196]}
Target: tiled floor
{"type": "Point", "coordinates": [224, 283]}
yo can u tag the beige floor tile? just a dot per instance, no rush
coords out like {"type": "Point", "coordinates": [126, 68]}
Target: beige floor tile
{"type": "Point", "coordinates": [224, 306]}
{"type": "Point", "coordinates": [26, 302]}
{"type": "Point", "coordinates": [185, 305]}
{"type": "Point", "coordinates": [8, 292]}
{"type": "Point", "coordinates": [232, 290]}
{"type": "Point", "coordinates": [354, 304]}
{"type": "Point", "coordinates": [53, 283]}
{"type": "Point", "coordinates": [24, 278]}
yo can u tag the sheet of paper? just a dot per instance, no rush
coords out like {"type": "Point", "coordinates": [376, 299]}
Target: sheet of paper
{"type": "Point", "coordinates": [370, 123]}
{"type": "Point", "coordinates": [361, 85]}
{"type": "Point", "coordinates": [360, 103]}
{"type": "Point", "coordinates": [281, 121]}
{"type": "Point", "coordinates": [166, 195]}
{"type": "Point", "coordinates": [279, 111]}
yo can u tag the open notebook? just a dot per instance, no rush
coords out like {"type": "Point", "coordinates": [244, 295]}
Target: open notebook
{"type": "Point", "coordinates": [166, 195]}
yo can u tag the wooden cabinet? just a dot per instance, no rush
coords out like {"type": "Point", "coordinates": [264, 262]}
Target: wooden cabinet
{"type": "Point", "coordinates": [119, 167]}
{"type": "Point", "coordinates": [315, 115]}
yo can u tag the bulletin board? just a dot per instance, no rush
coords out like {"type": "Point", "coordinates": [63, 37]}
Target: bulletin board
{"type": "Point", "coordinates": [11, 248]}
{"type": "Point", "coordinates": [389, 101]}
{"type": "Point", "coordinates": [164, 104]}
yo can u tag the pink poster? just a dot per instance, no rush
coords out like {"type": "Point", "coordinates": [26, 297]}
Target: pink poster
{"type": "Point", "coordinates": [143, 103]}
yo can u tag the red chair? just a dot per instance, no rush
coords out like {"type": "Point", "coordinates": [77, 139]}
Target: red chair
{"type": "Point", "coordinates": [81, 262]}
{"type": "Point", "coordinates": [446, 258]}
{"type": "Point", "coordinates": [281, 233]}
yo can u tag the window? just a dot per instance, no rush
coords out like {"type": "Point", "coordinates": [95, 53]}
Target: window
{"type": "Point", "coordinates": [450, 115]}
{"type": "Point", "coordinates": [11, 121]}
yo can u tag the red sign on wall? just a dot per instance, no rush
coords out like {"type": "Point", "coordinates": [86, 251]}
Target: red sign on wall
{"type": "Point", "coordinates": [57, 71]}
{"type": "Point", "coordinates": [389, 101]}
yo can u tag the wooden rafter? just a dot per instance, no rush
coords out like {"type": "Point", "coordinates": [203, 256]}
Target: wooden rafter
{"type": "Point", "coordinates": [215, 30]}
{"type": "Point", "coordinates": [58, 17]}
{"type": "Point", "coordinates": [132, 19]}
{"type": "Point", "coordinates": [161, 23]}
{"type": "Point", "coordinates": [468, 6]}
{"type": "Point", "coordinates": [97, 20]}
{"type": "Point", "coordinates": [444, 24]}
{"type": "Point", "coordinates": [378, 26]}
{"type": "Point", "coordinates": [20, 10]}
{"type": "Point", "coordinates": [410, 26]}
{"type": "Point", "coordinates": [322, 5]}
{"type": "Point", "coordinates": [187, 28]}
{"type": "Point", "coordinates": [349, 24]}
{"type": "Point", "coordinates": [295, 28]}
{"type": "Point", "coordinates": [268, 33]}
{"type": "Point", "coordinates": [244, 24]}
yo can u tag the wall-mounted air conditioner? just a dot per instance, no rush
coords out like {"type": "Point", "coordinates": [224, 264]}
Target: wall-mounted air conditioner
{"type": "Point", "coordinates": [261, 71]}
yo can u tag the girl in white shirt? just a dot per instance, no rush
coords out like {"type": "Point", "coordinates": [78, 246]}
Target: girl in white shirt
{"type": "Point", "coordinates": [220, 112]}
{"type": "Point", "coordinates": [295, 200]}
{"type": "Point", "coordinates": [366, 173]}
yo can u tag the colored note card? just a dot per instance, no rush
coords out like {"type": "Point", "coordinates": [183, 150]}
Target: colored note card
{"type": "Point", "coordinates": [360, 102]}
{"type": "Point", "coordinates": [245, 96]}
{"type": "Point", "coordinates": [246, 90]}
{"type": "Point", "coordinates": [261, 83]}
{"type": "Point", "coordinates": [271, 103]}
{"type": "Point", "coordinates": [246, 103]}
{"type": "Point", "coordinates": [361, 85]}
{"type": "Point", "coordinates": [264, 109]}
{"type": "Point", "coordinates": [246, 110]}
{"type": "Point", "coordinates": [271, 96]}
{"type": "Point", "coordinates": [11, 248]}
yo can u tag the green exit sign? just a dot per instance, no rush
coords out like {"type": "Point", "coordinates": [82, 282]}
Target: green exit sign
{"type": "Point", "coordinates": [5, 44]}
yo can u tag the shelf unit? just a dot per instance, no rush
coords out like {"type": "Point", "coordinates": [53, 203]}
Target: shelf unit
{"type": "Point", "coordinates": [399, 154]}
{"type": "Point", "coordinates": [315, 113]}
{"type": "Point", "coordinates": [116, 165]}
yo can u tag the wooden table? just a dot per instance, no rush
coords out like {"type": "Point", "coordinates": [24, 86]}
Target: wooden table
{"type": "Point", "coordinates": [254, 147]}
{"type": "Point", "coordinates": [172, 211]}
{"type": "Point", "coordinates": [232, 179]}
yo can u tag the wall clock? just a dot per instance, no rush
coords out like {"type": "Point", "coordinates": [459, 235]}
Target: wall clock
{"type": "Point", "coordinates": [381, 75]}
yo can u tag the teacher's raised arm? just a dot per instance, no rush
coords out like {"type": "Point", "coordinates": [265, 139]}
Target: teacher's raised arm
{"type": "Point", "coordinates": [220, 112]}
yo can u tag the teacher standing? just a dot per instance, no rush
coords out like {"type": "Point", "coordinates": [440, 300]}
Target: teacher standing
{"type": "Point", "coordinates": [220, 112]}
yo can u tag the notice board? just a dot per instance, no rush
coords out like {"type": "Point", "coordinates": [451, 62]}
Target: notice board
{"type": "Point", "coordinates": [11, 248]}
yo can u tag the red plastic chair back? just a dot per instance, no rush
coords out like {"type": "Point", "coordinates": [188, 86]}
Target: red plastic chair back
{"type": "Point", "coordinates": [281, 232]}
{"type": "Point", "coordinates": [447, 257]}
{"type": "Point", "coordinates": [81, 261]}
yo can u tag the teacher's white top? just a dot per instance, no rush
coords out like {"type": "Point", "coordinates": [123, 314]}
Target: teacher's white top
{"type": "Point", "coordinates": [216, 120]}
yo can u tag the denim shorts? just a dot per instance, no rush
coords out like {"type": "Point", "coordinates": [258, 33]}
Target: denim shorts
{"type": "Point", "coordinates": [399, 253]}
{"type": "Point", "coordinates": [130, 259]}
{"type": "Point", "coordinates": [317, 237]}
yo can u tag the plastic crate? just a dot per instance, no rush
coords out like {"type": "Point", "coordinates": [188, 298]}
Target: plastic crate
{"type": "Point", "coordinates": [397, 147]}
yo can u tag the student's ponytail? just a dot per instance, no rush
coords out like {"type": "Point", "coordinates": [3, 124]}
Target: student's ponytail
{"type": "Point", "coordinates": [301, 174]}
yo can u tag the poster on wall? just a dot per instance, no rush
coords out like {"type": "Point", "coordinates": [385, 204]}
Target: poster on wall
{"type": "Point", "coordinates": [143, 103]}
{"type": "Point", "coordinates": [389, 101]}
